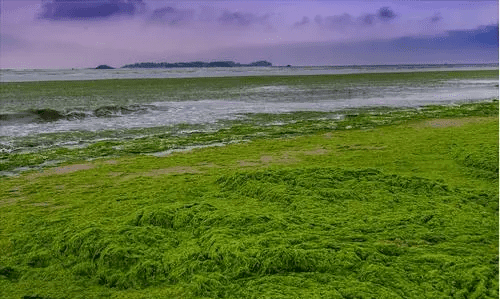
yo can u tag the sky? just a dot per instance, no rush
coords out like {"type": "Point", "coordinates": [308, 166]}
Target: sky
{"type": "Point", "coordinates": [54, 34]}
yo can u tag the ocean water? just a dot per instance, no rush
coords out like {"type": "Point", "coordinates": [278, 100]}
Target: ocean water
{"type": "Point", "coordinates": [64, 120]}
{"type": "Point", "coordinates": [11, 75]}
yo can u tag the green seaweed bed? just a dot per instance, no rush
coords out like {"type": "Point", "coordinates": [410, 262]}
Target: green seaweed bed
{"type": "Point", "coordinates": [381, 204]}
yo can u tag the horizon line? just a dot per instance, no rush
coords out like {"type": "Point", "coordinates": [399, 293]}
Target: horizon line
{"type": "Point", "coordinates": [273, 66]}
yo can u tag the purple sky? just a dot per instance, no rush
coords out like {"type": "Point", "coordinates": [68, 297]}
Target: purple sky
{"type": "Point", "coordinates": [86, 33]}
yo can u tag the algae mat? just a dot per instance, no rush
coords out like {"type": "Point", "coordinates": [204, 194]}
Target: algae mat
{"type": "Point", "coordinates": [400, 211]}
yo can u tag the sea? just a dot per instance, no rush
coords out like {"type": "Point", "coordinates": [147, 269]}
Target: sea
{"type": "Point", "coordinates": [64, 121]}
{"type": "Point", "coordinates": [23, 75]}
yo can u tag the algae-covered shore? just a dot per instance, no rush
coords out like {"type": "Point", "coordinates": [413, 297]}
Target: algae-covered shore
{"type": "Point", "coordinates": [379, 203]}
{"type": "Point", "coordinates": [50, 122]}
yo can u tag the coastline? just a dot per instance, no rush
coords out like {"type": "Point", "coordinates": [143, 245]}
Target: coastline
{"type": "Point", "coordinates": [51, 122]}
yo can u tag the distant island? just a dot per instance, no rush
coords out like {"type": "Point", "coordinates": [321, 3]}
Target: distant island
{"type": "Point", "coordinates": [195, 64]}
{"type": "Point", "coordinates": [104, 67]}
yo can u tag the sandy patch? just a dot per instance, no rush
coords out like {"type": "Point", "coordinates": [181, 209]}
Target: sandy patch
{"type": "Point", "coordinates": [285, 158]}
{"type": "Point", "coordinates": [244, 163]}
{"type": "Point", "coordinates": [208, 165]}
{"type": "Point", "coordinates": [114, 173]}
{"type": "Point", "coordinates": [113, 162]}
{"type": "Point", "coordinates": [399, 243]}
{"type": "Point", "coordinates": [456, 122]}
{"type": "Point", "coordinates": [319, 151]}
{"type": "Point", "coordinates": [361, 147]}
{"type": "Point", "coordinates": [47, 205]}
{"type": "Point", "coordinates": [266, 159]}
{"type": "Point", "coordinates": [61, 170]}
{"type": "Point", "coordinates": [71, 168]}
{"type": "Point", "coordinates": [328, 135]}
{"type": "Point", "coordinates": [165, 171]}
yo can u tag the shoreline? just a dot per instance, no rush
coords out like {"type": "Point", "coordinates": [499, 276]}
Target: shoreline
{"type": "Point", "coordinates": [44, 122]}
{"type": "Point", "coordinates": [261, 126]}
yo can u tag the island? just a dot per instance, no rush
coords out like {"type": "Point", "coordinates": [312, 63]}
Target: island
{"type": "Point", "coordinates": [104, 67]}
{"type": "Point", "coordinates": [195, 64]}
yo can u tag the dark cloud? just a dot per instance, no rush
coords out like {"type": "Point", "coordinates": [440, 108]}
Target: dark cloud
{"type": "Point", "coordinates": [386, 14]}
{"type": "Point", "coordinates": [89, 9]}
{"type": "Point", "coordinates": [318, 20]}
{"type": "Point", "coordinates": [482, 37]}
{"type": "Point", "coordinates": [240, 19]}
{"type": "Point", "coordinates": [334, 22]}
{"type": "Point", "coordinates": [339, 22]}
{"type": "Point", "coordinates": [436, 17]}
{"type": "Point", "coordinates": [344, 21]}
{"type": "Point", "coordinates": [479, 45]}
{"type": "Point", "coordinates": [304, 21]}
{"type": "Point", "coordinates": [368, 19]}
{"type": "Point", "coordinates": [171, 16]}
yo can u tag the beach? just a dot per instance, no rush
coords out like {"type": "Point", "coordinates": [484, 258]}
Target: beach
{"type": "Point", "coordinates": [372, 185]}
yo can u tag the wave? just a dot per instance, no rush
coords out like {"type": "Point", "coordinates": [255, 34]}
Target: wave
{"type": "Point", "coordinates": [50, 115]}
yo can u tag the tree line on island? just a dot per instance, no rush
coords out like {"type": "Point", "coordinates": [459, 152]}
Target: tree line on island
{"type": "Point", "coordinates": [189, 64]}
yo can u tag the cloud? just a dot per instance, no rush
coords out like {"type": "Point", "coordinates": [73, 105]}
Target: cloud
{"type": "Point", "coordinates": [345, 21]}
{"type": "Point", "coordinates": [318, 20]}
{"type": "Point", "coordinates": [479, 45]}
{"type": "Point", "coordinates": [11, 43]}
{"type": "Point", "coordinates": [482, 37]}
{"type": "Point", "coordinates": [367, 19]}
{"type": "Point", "coordinates": [339, 22]}
{"type": "Point", "coordinates": [304, 21]}
{"type": "Point", "coordinates": [239, 19]}
{"type": "Point", "coordinates": [386, 14]}
{"type": "Point", "coordinates": [436, 17]}
{"type": "Point", "coordinates": [334, 22]}
{"type": "Point", "coordinates": [89, 9]}
{"type": "Point", "coordinates": [171, 16]}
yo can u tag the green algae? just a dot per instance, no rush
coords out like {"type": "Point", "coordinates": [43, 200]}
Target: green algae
{"type": "Point", "coordinates": [389, 204]}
